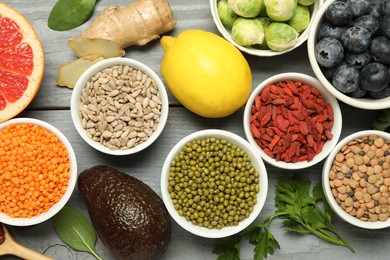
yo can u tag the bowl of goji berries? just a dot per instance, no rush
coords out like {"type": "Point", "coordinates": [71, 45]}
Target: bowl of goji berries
{"type": "Point", "coordinates": [38, 171]}
{"type": "Point", "coordinates": [292, 121]}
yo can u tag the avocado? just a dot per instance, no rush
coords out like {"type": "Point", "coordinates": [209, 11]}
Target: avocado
{"type": "Point", "coordinates": [128, 216]}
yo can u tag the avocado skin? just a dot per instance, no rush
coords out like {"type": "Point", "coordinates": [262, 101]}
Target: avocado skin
{"type": "Point", "coordinates": [128, 216]}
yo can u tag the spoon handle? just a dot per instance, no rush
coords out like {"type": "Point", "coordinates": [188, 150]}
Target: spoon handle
{"type": "Point", "coordinates": [28, 254]}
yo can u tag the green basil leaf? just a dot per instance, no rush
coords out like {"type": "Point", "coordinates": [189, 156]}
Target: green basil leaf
{"type": "Point", "coordinates": [75, 230]}
{"type": "Point", "coordinates": [69, 14]}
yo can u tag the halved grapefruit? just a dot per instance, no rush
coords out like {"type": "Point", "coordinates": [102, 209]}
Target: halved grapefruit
{"type": "Point", "coordinates": [21, 62]}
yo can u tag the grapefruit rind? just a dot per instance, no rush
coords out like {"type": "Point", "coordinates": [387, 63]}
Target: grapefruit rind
{"type": "Point", "coordinates": [35, 79]}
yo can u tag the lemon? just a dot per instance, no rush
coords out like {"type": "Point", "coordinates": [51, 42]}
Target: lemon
{"type": "Point", "coordinates": [205, 73]}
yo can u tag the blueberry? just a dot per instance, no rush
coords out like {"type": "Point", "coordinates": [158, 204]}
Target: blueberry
{"type": "Point", "coordinates": [384, 26]}
{"type": "Point", "coordinates": [359, 7]}
{"type": "Point", "coordinates": [380, 50]}
{"type": "Point", "coordinates": [375, 77]}
{"type": "Point", "coordinates": [384, 7]}
{"type": "Point", "coordinates": [346, 79]}
{"type": "Point", "coordinates": [329, 52]}
{"type": "Point", "coordinates": [359, 60]}
{"type": "Point", "coordinates": [328, 72]}
{"type": "Point", "coordinates": [375, 10]}
{"type": "Point", "coordinates": [369, 22]}
{"type": "Point", "coordinates": [358, 93]}
{"type": "Point", "coordinates": [339, 13]}
{"type": "Point", "coordinates": [381, 94]}
{"type": "Point", "coordinates": [356, 39]}
{"type": "Point", "coordinates": [330, 30]}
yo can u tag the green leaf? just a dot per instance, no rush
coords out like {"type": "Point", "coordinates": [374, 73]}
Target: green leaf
{"type": "Point", "coordinates": [293, 226]}
{"type": "Point", "coordinates": [312, 216]}
{"type": "Point", "coordinates": [318, 195]}
{"type": "Point", "coordinates": [266, 245]}
{"type": "Point", "coordinates": [228, 248]}
{"type": "Point", "coordinates": [75, 230]}
{"type": "Point", "coordinates": [69, 14]}
{"type": "Point", "coordinates": [382, 123]}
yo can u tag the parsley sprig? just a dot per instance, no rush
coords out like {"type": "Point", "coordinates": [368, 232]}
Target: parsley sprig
{"type": "Point", "coordinates": [382, 122]}
{"type": "Point", "coordinates": [301, 213]}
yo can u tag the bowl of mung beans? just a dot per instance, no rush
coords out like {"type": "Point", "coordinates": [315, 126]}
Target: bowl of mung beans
{"type": "Point", "coordinates": [213, 183]}
{"type": "Point", "coordinates": [38, 171]}
{"type": "Point", "coordinates": [356, 179]}
{"type": "Point", "coordinates": [119, 106]}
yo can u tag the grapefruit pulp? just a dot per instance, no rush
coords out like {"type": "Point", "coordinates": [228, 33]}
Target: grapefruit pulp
{"type": "Point", "coordinates": [21, 62]}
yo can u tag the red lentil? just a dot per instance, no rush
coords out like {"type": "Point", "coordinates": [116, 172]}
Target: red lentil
{"type": "Point", "coordinates": [34, 170]}
{"type": "Point", "coordinates": [291, 121]}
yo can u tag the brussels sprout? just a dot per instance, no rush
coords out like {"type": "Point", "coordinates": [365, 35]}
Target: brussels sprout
{"type": "Point", "coordinates": [280, 10]}
{"type": "Point", "coordinates": [301, 18]}
{"type": "Point", "coordinates": [246, 8]}
{"type": "Point", "coordinates": [280, 36]}
{"type": "Point", "coordinates": [248, 31]}
{"type": "Point", "coordinates": [265, 21]}
{"type": "Point", "coordinates": [306, 2]}
{"type": "Point", "coordinates": [226, 14]}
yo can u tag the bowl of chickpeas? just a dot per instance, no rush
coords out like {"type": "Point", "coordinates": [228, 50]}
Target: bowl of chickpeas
{"type": "Point", "coordinates": [356, 179]}
{"type": "Point", "coordinates": [213, 184]}
{"type": "Point", "coordinates": [38, 173]}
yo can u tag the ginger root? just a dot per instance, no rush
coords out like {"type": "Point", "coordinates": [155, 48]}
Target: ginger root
{"type": "Point", "coordinates": [69, 73]}
{"type": "Point", "coordinates": [101, 47]}
{"type": "Point", "coordinates": [136, 24]}
{"type": "Point", "coordinates": [117, 28]}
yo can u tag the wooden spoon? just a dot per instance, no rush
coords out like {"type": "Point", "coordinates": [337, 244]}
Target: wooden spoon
{"type": "Point", "coordinates": [11, 247]}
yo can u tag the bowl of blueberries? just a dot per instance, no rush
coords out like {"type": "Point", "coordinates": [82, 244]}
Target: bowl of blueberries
{"type": "Point", "coordinates": [349, 51]}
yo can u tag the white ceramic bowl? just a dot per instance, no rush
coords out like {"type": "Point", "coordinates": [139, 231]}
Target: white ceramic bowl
{"type": "Point", "coordinates": [363, 103]}
{"type": "Point", "coordinates": [72, 179]}
{"type": "Point", "coordinates": [76, 103]}
{"type": "Point", "coordinates": [256, 162]}
{"type": "Point", "coordinates": [326, 183]}
{"type": "Point", "coordinates": [258, 52]}
{"type": "Point", "coordinates": [328, 146]}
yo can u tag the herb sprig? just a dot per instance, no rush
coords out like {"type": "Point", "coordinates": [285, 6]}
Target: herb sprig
{"type": "Point", "coordinates": [382, 122]}
{"type": "Point", "coordinates": [301, 213]}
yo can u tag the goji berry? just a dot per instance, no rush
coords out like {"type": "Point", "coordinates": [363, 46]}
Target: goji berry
{"type": "Point", "coordinates": [255, 131]}
{"type": "Point", "coordinates": [287, 91]}
{"type": "Point", "coordinates": [265, 93]}
{"type": "Point", "coordinates": [257, 102]}
{"type": "Point", "coordinates": [303, 128]}
{"type": "Point", "coordinates": [265, 120]}
{"type": "Point", "coordinates": [282, 123]}
{"type": "Point", "coordinates": [253, 117]}
{"type": "Point", "coordinates": [274, 141]}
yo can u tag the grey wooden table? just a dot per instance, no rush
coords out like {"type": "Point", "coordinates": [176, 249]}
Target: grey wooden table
{"type": "Point", "coordinates": [52, 105]}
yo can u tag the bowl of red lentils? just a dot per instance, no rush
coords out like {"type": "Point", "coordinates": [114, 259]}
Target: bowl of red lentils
{"type": "Point", "coordinates": [292, 121]}
{"type": "Point", "coordinates": [119, 106]}
{"type": "Point", "coordinates": [356, 179]}
{"type": "Point", "coordinates": [38, 171]}
{"type": "Point", "coordinates": [213, 183]}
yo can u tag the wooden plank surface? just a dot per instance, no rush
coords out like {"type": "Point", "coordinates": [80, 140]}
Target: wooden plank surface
{"type": "Point", "coordinates": [52, 106]}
